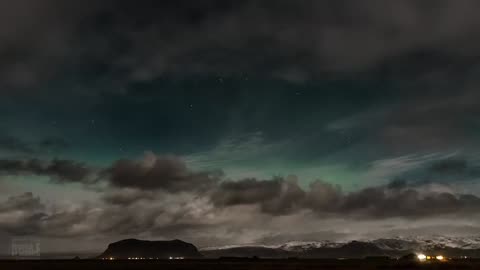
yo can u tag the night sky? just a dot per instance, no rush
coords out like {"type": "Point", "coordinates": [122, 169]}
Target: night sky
{"type": "Point", "coordinates": [233, 122]}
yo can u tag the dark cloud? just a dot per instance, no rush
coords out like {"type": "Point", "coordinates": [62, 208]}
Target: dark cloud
{"type": "Point", "coordinates": [410, 203]}
{"type": "Point", "coordinates": [127, 196]}
{"type": "Point", "coordinates": [161, 197]}
{"type": "Point", "coordinates": [57, 169]}
{"type": "Point", "coordinates": [133, 182]}
{"type": "Point", "coordinates": [247, 191]}
{"type": "Point", "coordinates": [275, 196]}
{"type": "Point", "coordinates": [25, 201]}
{"type": "Point", "coordinates": [280, 196]}
{"type": "Point", "coordinates": [21, 214]}
{"type": "Point", "coordinates": [67, 171]}
{"type": "Point", "coordinates": [156, 172]}
{"type": "Point", "coordinates": [397, 201]}
{"type": "Point", "coordinates": [163, 214]}
{"type": "Point", "coordinates": [26, 214]}
{"type": "Point", "coordinates": [278, 38]}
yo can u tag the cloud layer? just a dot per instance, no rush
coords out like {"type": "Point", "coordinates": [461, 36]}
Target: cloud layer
{"type": "Point", "coordinates": [154, 172]}
{"type": "Point", "coordinates": [279, 38]}
{"type": "Point", "coordinates": [160, 197]}
{"type": "Point", "coordinates": [57, 170]}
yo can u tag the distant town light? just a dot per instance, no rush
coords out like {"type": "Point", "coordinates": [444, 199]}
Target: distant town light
{"type": "Point", "coordinates": [440, 258]}
{"type": "Point", "coordinates": [422, 257]}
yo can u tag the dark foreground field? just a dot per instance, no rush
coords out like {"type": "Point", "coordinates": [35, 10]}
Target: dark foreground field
{"type": "Point", "coordinates": [234, 264]}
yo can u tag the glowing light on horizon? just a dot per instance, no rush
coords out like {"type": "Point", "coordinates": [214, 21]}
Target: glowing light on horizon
{"type": "Point", "coordinates": [422, 257]}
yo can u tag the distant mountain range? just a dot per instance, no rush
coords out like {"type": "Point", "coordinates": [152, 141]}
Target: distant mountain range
{"type": "Point", "coordinates": [394, 247]}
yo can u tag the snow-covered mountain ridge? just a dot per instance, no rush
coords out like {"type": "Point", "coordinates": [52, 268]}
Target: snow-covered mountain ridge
{"type": "Point", "coordinates": [395, 243]}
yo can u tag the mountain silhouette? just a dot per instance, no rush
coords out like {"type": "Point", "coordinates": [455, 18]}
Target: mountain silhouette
{"type": "Point", "coordinates": [395, 248]}
{"type": "Point", "coordinates": [133, 248]}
